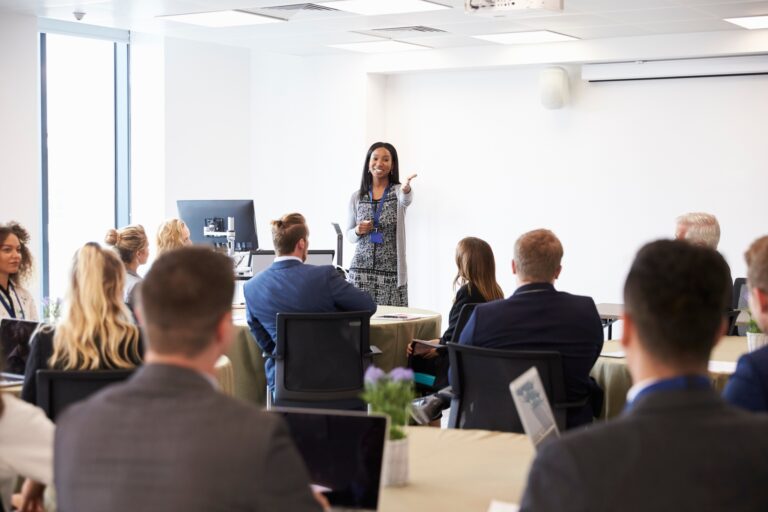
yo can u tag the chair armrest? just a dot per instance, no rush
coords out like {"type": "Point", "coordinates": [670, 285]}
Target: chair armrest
{"type": "Point", "coordinates": [373, 351]}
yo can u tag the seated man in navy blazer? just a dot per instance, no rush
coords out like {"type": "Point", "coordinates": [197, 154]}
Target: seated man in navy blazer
{"type": "Point", "coordinates": [538, 317]}
{"type": "Point", "coordinates": [290, 286]}
{"type": "Point", "coordinates": [678, 445]}
{"type": "Point", "coordinates": [748, 386]}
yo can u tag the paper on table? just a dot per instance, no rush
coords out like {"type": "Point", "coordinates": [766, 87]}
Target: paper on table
{"type": "Point", "coordinates": [503, 506]}
{"type": "Point", "coordinates": [722, 366]}
{"type": "Point", "coordinates": [616, 353]}
{"type": "Point", "coordinates": [402, 316]}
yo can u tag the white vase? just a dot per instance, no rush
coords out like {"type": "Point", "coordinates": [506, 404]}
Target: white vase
{"type": "Point", "coordinates": [756, 340]}
{"type": "Point", "coordinates": [395, 470]}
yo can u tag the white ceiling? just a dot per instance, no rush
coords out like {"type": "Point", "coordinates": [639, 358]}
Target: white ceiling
{"type": "Point", "coordinates": [309, 32]}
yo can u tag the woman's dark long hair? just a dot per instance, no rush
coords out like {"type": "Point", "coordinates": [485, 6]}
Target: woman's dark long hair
{"type": "Point", "coordinates": [394, 174]}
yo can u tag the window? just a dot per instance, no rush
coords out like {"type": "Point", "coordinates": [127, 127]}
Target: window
{"type": "Point", "coordinates": [85, 146]}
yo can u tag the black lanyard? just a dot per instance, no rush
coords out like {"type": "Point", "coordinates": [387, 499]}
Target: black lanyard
{"type": "Point", "coordinates": [9, 304]}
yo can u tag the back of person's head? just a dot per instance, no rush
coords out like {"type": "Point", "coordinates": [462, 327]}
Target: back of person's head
{"type": "Point", "coordinates": [757, 264]}
{"type": "Point", "coordinates": [676, 295]}
{"type": "Point", "coordinates": [183, 298]}
{"type": "Point", "coordinates": [699, 228]}
{"type": "Point", "coordinates": [127, 241]}
{"type": "Point", "coordinates": [96, 330]}
{"type": "Point", "coordinates": [25, 267]}
{"type": "Point", "coordinates": [287, 231]}
{"type": "Point", "coordinates": [172, 234]}
{"type": "Point", "coordinates": [477, 268]}
{"type": "Point", "coordinates": [538, 254]}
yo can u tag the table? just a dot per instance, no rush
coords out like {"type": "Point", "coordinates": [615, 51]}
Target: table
{"type": "Point", "coordinates": [390, 335]}
{"type": "Point", "coordinates": [613, 375]}
{"type": "Point", "coordinates": [461, 470]}
{"type": "Point", "coordinates": [610, 314]}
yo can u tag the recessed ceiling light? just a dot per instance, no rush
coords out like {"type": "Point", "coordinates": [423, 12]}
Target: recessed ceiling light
{"type": "Point", "coordinates": [375, 7]}
{"type": "Point", "coordinates": [750, 22]}
{"type": "Point", "coordinates": [536, 36]}
{"type": "Point", "coordinates": [222, 18]}
{"type": "Point", "coordinates": [379, 46]}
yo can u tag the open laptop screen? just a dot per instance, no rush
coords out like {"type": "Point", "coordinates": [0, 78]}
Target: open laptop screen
{"type": "Point", "coordinates": [343, 452]}
{"type": "Point", "coordinates": [14, 344]}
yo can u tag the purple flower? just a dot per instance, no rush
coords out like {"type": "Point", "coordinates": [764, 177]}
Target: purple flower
{"type": "Point", "coordinates": [373, 374]}
{"type": "Point", "coordinates": [401, 373]}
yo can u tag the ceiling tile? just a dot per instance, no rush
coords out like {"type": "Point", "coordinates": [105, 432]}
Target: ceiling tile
{"type": "Point", "coordinates": [688, 26]}
{"type": "Point", "coordinates": [607, 31]}
{"type": "Point", "coordinates": [656, 15]}
{"type": "Point", "coordinates": [734, 10]}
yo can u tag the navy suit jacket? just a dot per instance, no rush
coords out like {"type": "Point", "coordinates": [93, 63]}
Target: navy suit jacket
{"type": "Point", "coordinates": [748, 386]}
{"type": "Point", "coordinates": [290, 286]}
{"type": "Point", "coordinates": [538, 317]}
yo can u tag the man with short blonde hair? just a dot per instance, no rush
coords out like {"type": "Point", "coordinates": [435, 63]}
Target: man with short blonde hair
{"type": "Point", "coordinates": [698, 228]}
{"type": "Point", "coordinates": [537, 256]}
{"type": "Point", "coordinates": [748, 386]}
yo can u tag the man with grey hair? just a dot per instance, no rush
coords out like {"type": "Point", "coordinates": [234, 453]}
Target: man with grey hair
{"type": "Point", "coordinates": [699, 228]}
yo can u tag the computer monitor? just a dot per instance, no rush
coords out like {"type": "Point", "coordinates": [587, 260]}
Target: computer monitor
{"type": "Point", "coordinates": [261, 260]}
{"type": "Point", "coordinates": [211, 216]}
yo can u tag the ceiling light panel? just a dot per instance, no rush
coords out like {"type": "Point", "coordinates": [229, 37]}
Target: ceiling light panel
{"type": "Point", "coordinates": [376, 7]}
{"type": "Point", "coordinates": [219, 19]}
{"type": "Point", "coordinates": [536, 36]}
{"type": "Point", "coordinates": [750, 22]}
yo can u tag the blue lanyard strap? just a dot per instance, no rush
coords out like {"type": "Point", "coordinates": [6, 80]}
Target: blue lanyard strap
{"type": "Point", "coordinates": [377, 208]}
{"type": "Point", "coordinates": [9, 304]}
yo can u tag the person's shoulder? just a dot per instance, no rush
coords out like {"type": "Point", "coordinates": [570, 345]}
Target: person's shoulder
{"type": "Point", "coordinates": [19, 412]}
{"type": "Point", "coordinates": [758, 359]}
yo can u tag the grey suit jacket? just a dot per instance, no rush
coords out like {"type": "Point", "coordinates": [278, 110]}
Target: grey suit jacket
{"type": "Point", "coordinates": [684, 450]}
{"type": "Point", "coordinates": [166, 440]}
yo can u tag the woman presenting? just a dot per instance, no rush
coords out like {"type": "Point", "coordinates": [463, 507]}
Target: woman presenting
{"type": "Point", "coordinates": [377, 225]}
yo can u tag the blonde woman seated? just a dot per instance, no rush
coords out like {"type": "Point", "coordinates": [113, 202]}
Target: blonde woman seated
{"type": "Point", "coordinates": [96, 331]}
{"type": "Point", "coordinates": [26, 449]}
{"type": "Point", "coordinates": [172, 234]}
{"type": "Point", "coordinates": [132, 245]}
{"type": "Point", "coordinates": [15, 269]}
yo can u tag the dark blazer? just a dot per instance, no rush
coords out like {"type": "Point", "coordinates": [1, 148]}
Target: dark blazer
{"type": "Point", "coordinates": [681, 450]}
{"type": "Point", "coordinates": [290, 286]}
{"type": "Point", "coordinates": [167, 440]}
{"type": "Point", "coordinates": [40, 351]}
{"type": "Point", "coordinates": [463, 296]}
{"type": "Point", "coordinates": [538, 317]}
{"type": "Point", "coordinates": [748, 386]}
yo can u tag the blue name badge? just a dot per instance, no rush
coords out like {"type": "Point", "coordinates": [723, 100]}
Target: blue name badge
{"type": "Point", "coordinates": [377, 238]}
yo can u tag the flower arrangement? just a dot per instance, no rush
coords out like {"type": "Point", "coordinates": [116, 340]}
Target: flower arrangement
{"type": "Point", "coordinates": [390, 393]}
{"type": "Point", "coordinates": [51, 309]}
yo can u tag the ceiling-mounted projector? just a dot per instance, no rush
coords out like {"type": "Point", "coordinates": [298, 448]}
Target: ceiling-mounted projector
{"type": "Point", "coordinates": [506, 7]}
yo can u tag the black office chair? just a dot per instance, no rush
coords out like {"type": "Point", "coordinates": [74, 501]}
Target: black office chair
{"type": "Point", "coordinates": [431, 375]}
{"type": "Point", "coordinates": [480, 379]}
{"type": "Point", "coordinates": [320, 359]}
{"type": "Point", "coordinates": [739, 301]}
{"type": "Point", "coordinates": [58, 389]}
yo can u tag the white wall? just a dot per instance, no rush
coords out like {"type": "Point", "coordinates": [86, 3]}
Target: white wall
{"type": "Point", "coordinates": [608, 173]}
{"type": "Point", "coordinates": [20, 129]}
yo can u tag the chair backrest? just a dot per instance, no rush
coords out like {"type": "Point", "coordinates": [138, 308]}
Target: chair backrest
{"type": "Point", "coordinates": [480, 379]}
{"type": "Point", "coordinates": [320, 359]}
{"type": "Point", "coordinates": [461, 322]}
{"type": "Point", "coordinates": [739, 301]}
{"type": "Point", "coordinates": [58, 389]}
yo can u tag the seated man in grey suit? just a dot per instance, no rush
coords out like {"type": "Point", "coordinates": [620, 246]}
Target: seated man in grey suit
{"type": "Point", "coordinates": [290, 286]}
{"type": "Point", "coordinates": [748, 386]}
{"type": "Point", "coordinates": [167, 439]}
{"type": "Point", "coordinates": [678, 446]}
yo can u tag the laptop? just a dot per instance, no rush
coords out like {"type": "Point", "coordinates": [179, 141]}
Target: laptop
{"type": "Point", "coordinates": [14, 347]}
{"type": "Point", "coordinates": [533, 408]}
{"type": "Point", "coordinates": [343, 452]}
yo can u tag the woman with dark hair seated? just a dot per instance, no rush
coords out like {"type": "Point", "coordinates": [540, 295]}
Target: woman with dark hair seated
{"type": "Point", "coordinates": [96, 331]}
{"type": "Point", "coordinates": [476, 278]}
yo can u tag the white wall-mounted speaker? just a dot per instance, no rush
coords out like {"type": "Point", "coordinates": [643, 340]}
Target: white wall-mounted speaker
{"type": "Point", "coordinates": [553, 85]}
